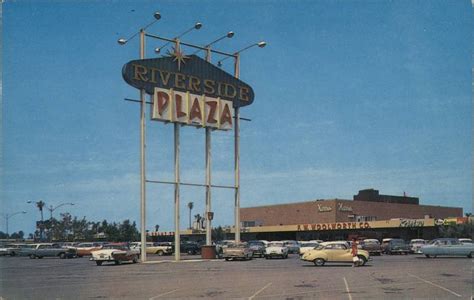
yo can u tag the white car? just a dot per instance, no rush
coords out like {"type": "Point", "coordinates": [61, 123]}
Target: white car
{"type": "Point", "coordinates": [276, 249]}
{"type": "Point", "coordinates": [154, 248]}
{"type": "Point", "coordinates": [116, 253]}
{"type": "Point", "coordinates": [415, 245]}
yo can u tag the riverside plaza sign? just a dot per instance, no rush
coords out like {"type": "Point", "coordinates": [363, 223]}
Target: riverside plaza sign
{"type": "Point", "coordinates": [189, 90]}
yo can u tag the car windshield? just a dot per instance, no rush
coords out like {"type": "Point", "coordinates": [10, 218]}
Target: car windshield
{"type": "Point", "coordinates": [275, 244]}
{"type": "Point", "coordinates": [398, 242]}
{"type": "Point", "coordinates": [120, 247]}
{"type": "Point", "coordinates": [309, 245]}
{"type": "Point", "coordinates": [237, 245]}
{"type": "Point", "coordinates": [256, 244]}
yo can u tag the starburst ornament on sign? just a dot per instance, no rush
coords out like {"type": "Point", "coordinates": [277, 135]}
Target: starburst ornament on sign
{"type": "Point", "coordinates": [178, 56]}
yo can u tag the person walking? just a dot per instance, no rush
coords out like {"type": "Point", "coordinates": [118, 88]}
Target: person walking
{"type": "Point", "coordinates": [355, 258]}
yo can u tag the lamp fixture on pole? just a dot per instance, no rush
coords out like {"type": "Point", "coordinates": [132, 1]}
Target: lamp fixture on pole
{"type": "Point", "coordinates": [123, 41]}
{"type": "Point", "coordinates": [229, 35]}
{"type": "Point", "coordinates": [196, 26]}
{"type": "Point", "coordinates": [259, 44]}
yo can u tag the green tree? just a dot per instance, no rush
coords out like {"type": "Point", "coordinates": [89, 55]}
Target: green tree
{"type": "Point", "coordinates": [457, 230]}
{"type": "Point", "coordinates": [218, 234]}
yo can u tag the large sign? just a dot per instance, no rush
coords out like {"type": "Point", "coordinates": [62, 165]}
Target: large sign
{"type": "Point", "coordinates": [187, 74]}
{"type": "Point", "coordinates": [191, 109]}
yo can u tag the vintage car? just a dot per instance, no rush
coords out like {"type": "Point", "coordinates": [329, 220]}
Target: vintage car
{"type": "Point", "coordinates": [85, 249]}
{"type": "Point", "coordinates": [395, 246]}
{"type": "Point", "coordinates": [415, 245]}
{"type": "Point", "coordinates": [306, 246]}
{"type": "Point", "coordinates": [9, 249]}
{"type": "Point", "coordinates": [276, 249]}
{"type": "Point", "coordinates": [447, 246]}
{"type": "Point", "coordinates": [47, 250]}
{"type": "Point", "coordinates": [221, 245]}
{"type": "Point", "coordinates": [257, 247]}
{"type": "Point", "coordinates": [371, 245]}
{"type": "Point", "coordinates": [339, 252]}
{"type": "Point", "coordinates": [154, 248]}
{"type": "Point", "coordinates": [465, 241]}
{"type": "Point", "coordinates": [188, 247]}
{"type": "Point", "coordinates": [238, 250]}
{"type": "Point", "coordinates": [293, 246]}
{"type": "Point", "coordinates": [116, 252]}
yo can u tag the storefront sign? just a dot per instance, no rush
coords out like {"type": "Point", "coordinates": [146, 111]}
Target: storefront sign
{"type": "Point", "coordinates": [333, 226]}
{"type": "Point", "coordinates": [322, 208]}
{"type": "Point", "coordinates": [194, 75]}
{"type": "Point", "coordinates": [341, 207]}
{"type": "Point", "coordinates": [412, 223]}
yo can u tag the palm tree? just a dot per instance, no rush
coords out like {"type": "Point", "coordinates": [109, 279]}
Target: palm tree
{"type": "Point", "coordinates": [40, 204]}
{"type": "Point", "coordinates": [190, 206]}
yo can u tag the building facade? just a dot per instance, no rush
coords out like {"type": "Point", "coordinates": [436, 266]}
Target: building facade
{"type": "Point", "coordinates": [369, 214]}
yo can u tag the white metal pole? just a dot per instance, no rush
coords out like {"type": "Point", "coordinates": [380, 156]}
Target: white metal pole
{"type": "Point", "coordinates": [237, 157]}
{"type": "Point", "coordinates": [142, 159]}
{"type": "Point", "coordinates": [177, 238]}
{"type": "Point", "coordinates": [208, 173]}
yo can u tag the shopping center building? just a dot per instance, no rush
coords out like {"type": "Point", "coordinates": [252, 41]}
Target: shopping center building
{"type": "Point", "coordinates": [368, 214]}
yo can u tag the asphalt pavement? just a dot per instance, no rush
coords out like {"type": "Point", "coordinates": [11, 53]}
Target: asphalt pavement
{"type": "Point", "coordinates": [385, 277]}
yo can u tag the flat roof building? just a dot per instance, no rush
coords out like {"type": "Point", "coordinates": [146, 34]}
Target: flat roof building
{"type": "Point", "coordinates": [369, 213]}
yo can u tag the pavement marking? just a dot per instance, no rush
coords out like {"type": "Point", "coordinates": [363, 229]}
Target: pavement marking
{"type": "Point", "coordinates": [347, 288]}
{"type": "Point", "coordinates": [164, 294]}
{"type": "Point", "coordinates": [259, 291]}
{"type": "Point", "coordinates": [436, 285]}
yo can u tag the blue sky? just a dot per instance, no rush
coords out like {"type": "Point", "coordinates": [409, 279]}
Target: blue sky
{"type": "Point", "coordinates": [349, 95]}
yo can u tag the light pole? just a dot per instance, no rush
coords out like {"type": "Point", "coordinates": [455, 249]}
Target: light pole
{"type": "Point", "coordinates": [51, 209]}
{"type": "Point", "coordinates": [8, 216]}
{"type": "Point", "coordinates": [122, 41]}
{"type": "Point", "coordinates": [229, 35]}
{"type": "Point", "coordinates": [237, 139]}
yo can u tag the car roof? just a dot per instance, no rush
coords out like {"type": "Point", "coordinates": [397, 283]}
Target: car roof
{"type": "Point", "coordinates": [334, 242]}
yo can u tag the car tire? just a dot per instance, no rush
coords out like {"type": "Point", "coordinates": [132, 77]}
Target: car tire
{"type": "Point", "coordinates": [32, 256]}
{"type": "Point", "coordinates": [98, 262]}
{"type": "Point", "coordinates": [266, 257]}
{"type": "Point", "coordinates": [62, 255]}
{"type": "Point", "coordinates": [13, 253]}
{"type": "Point", "coordinates": [471, 255]}
{"type": "Point", "coordinates": [135, 259]}
{"type": "Point", "coordinates": [117, 262]}
{"type": "Point", "coordinates": [362, 259]}
{"type": "Point", "coordinates": [40, 257]}
{"type": "Point", "coordinates": [160, 253]}
{"type": "Point", "coordinates": [319, 262]}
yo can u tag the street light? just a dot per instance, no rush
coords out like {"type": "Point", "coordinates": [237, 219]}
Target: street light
{"type": "Point", "coordinates": [259, 44]}
{"type": "Point", "coordinates": [196, 26]}
{"type": "Point", "coordinates": [51, 208]}
{"type": "Point", "coordinates": [237, 139]}
{"type": "Point", "coordinates": [8, 216]}
{"type": "Point", "coordinates": [123, 41]}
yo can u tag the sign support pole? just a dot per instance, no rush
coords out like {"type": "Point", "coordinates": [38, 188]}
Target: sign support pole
{"type": "Point", "coordinates": [177, 237]}
{"type": "Point", "coordinates": [237, 157]}
{"type": "Point", "coordinates": [208, 174]}
{"type": "Point", "coordinates": [142, 160]}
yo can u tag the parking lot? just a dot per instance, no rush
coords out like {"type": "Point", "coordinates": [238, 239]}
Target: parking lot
{"type": "Point", "coordinates": [387, 277]}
